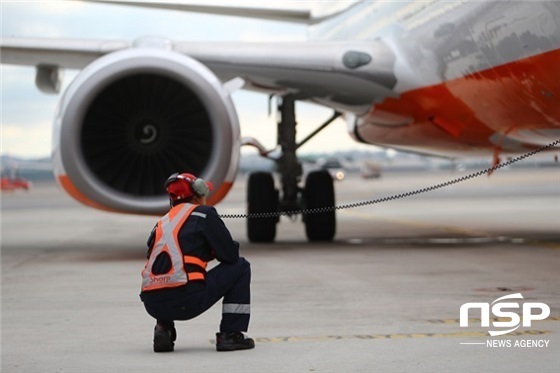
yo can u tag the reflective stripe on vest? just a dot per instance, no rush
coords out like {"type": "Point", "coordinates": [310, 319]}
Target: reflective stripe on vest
{"type": "Point", "coordinates": [194, 260]}
{"type": "Point", "coordinates": [166, 241]}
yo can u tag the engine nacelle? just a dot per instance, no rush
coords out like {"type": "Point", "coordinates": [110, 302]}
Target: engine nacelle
{"type": "Point", "coordinates": [132, 118]}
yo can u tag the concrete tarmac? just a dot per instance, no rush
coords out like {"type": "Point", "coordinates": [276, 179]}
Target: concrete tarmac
{"type": "Point", "coordinates": [383, 297]}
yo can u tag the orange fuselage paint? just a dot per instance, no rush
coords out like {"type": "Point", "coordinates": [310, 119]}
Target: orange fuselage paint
{"type": "Point", "coordinates": [478, 110]}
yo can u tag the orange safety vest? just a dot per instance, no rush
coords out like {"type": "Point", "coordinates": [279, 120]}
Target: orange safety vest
{"type": "Point", "coordinates": [166, 240]}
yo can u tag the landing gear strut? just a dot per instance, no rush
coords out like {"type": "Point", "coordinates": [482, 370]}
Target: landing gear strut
{"type": "Point", "coordinates": [318, 191]}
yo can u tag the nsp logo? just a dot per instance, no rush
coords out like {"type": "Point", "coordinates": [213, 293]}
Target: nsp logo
{"type": "Point", "coordinates": [529, 314]}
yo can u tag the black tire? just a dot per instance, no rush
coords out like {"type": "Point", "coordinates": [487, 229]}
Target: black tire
{"type": "Point", "coordinates": [261, 197]}
{"type": "Point", "coordinates": [319, 192]}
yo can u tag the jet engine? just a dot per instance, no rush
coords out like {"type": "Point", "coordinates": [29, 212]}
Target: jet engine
{"type": "Point", "coordinates": [132, 118]}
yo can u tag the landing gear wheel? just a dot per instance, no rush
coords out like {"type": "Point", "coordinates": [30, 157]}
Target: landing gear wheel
{"type": "Point", "coordinates": [261, 197]}
{"type": "Point", "coordinates": [319, 192]}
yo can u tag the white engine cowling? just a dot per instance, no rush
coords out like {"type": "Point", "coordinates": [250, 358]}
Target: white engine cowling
{"type": "Point", "coordinates": [132, 118]}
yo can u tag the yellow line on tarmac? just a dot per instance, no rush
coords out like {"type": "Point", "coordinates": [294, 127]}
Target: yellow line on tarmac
{"type": "Point", "coordinates": [493, 319]}
{"type": "Point", "coordinates": [389, 336]}
{"type": "Point", "coordinates": [549, 245]}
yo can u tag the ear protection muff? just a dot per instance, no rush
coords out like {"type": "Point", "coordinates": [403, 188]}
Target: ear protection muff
{"type": "Point", "coordinates": [200, 188]}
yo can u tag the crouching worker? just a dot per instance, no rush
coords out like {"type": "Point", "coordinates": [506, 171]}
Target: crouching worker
{"type": "Point", "coordinates": [175, 284]}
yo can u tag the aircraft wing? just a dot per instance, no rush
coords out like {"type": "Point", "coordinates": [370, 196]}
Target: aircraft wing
{"type": "Point", "coordinates": [351, 74]}
{"type": "Point", "coordinates": [72, 54]}
{"type": "Point", "coordinates": [285, 15]}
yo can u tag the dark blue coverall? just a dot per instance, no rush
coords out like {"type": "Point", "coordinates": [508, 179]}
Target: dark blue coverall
{"type": "Point", "coordinates": [205, 236]}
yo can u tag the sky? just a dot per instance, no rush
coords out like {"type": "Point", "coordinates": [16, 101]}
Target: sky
{"type": "Point", "coordinates": [27, 114]}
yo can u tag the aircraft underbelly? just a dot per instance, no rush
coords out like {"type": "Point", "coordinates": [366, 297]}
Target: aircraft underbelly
{"type": "Point", "coordinates": [511, 106]}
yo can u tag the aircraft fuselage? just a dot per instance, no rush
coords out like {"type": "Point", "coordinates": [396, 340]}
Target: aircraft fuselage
{"type": "Point", "coordinates": [470, 76]}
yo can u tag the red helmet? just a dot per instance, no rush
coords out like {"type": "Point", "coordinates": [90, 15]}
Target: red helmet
{"type": "Point", "coordinates": [184, 186]}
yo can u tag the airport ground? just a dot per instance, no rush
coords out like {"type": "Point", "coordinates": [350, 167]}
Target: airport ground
{"type": "Point", "coordinates": [383, 297]}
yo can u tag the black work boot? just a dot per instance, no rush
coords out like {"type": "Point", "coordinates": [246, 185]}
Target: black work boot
{"type": "Point", "coordinates": [164, 338]}
{"type": "Point", "coordinates": [233, 341]}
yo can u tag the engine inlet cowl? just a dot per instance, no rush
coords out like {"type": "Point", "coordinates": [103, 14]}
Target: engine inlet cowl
{"type": "Point", "coordinates": [132, 118]}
